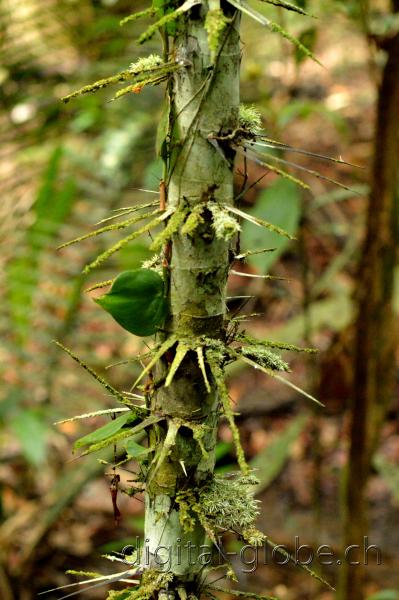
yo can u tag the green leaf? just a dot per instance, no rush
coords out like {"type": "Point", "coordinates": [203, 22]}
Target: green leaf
{"type": "Point", "coordinates": [106, 431]}
{"type": "Point", "coordinates": [269, 462]}
{"type": "Point", "coordinates": [135, 450]}
{"type": "Point", "coordinates": [384, 595]}
{"type": "Point", "coordinates": [389, 472]}
{"type": "Point", "coordinates": [280, 205]}
{"type": "Point", "coordinates": [136, 301]}
{"type": "Point", "coordinates": [31, 431]}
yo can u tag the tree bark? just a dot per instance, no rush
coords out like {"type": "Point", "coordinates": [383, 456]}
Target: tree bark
{"type": "Point", "coordinates": [203, 99]}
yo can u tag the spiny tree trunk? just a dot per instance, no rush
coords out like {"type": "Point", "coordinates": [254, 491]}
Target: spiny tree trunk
{"type": "Point", "coordinates": [376, 339]}
{"type": "Point", "coordinates": [186, 395]}
{"type": "Point", "coordinates": [203, 100]}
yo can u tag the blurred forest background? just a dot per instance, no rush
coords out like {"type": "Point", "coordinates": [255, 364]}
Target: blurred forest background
{"type": "Point", "coordinates": [64, 168]}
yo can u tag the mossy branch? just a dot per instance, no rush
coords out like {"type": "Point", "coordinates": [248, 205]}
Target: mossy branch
{"type": "Point", "coordinates": [148, 12]}
{"type": "Point", "coordinates": [122, 243]}
{"type": "Point", "coordinates": [139, 71]}
{"type": "Point", "coordinates": [113, 227]}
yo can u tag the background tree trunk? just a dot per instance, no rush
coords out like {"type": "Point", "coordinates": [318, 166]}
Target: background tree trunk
{"type": "Point", "coordinates": [376, 339]}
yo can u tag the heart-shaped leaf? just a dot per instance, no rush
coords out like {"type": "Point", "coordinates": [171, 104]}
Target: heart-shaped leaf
{"type": "Point", "coordinates": [137, 301]}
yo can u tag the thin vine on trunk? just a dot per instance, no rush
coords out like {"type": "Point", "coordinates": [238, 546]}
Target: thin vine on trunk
{"type": "Point", "coordinates": [376, 330]}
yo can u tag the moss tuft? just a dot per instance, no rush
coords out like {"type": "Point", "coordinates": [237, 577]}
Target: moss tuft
{"type": "Point", "coordinates": [215, 24]}
{"type": "Point", "coordinates": [250, 119]}
{"type": "Point", "coordinates": [225, 226]}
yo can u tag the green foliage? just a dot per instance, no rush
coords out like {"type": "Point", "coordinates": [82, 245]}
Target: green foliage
{"type": "Point", "coordinates": [105, 431]}
{"type": "Point", "coordinates": [384, 595]}
{"type": "Point", "coordinates": [280, 204]}
{"type": "Point", "coordinates": [137, 301]}
{"type": "Point", "coordinates": [135, 450]}
{"type": "Point", "coordinates": [52, 205]}
{"type": "Point", "coordinates": [31, 431]}
{"type": "Point", "coordinates": [126, 240]}
{"type": "Point", "coordinates": [268, 463]}
{"type": "Point", "coordinates": [122, 434]}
